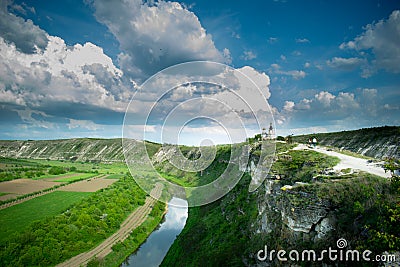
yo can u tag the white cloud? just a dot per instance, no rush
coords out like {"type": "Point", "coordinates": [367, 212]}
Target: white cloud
{"type": "Point", "coordinates": [84, 124]}
{"type": "Point", "coordinates": [337, 111]}
{"type": "Point", "coordinates": [289, 105]}
{"type": "Point", "coordinates": [235, 35]}
{"type": "Point", "coordinates": [227, 55]}
{"type": "Point", "coordinates": [79, 74]}
{"type": "Point", "coordinates": [259, 78]}
{"type": "Point", "coordinates": [391, 107]}
{"type": "Point", "coordinates": [325, 98]}
{"type": "Point", "coordinates": [296, 53]}
{"type": "Point", "coordinates": [273, 40]}
{"type": "Point", "coordinates": [155, 36]}
{"type": "Point", "coordinates": [295, 74]}
{"type": "Point", "coordinates": [347, 101]}
{"type": "Point", "coordinates": [275, 66]}
{"type": "Point", "coordinates": [382, 38]}
{"type": "Point", "coordinates": [345, 63]}
{"type": "Point", "coordinates": [249, 55]}
{"type": "Point", "coordinates": [307, 65]}
{"type": "Point", "coordinates": [302, 40]}
{"type": "Point", "coordinates": [26, 116]}
{"type": "Point", "coordinates": [304, 104]}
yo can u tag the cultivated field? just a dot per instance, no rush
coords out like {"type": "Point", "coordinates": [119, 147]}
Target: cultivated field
{"type": "Point", "coordinates": [20, 187]}
{"type": "Point", "coordinates": [89, 185]}
{"type": "Point", "coordinates": [18, 217]}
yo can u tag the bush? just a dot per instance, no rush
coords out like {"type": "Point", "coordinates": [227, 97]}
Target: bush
{"type": "Point", "coordinates": [56, 170]}
{"type": "Point", "coordinates": [280, 138]}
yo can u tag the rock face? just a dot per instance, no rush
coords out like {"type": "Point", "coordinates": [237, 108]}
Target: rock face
{"type": "Point", "coordinates": [82, 149]}
{"type": "Point", "coordinates": [297, 215]}
{"type": "Point", "coordinates": [379, 142]}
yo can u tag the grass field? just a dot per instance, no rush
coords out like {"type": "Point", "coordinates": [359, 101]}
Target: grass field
{"type": "Point", "coordinates": [76, 178]}
{"type": "Point", "coordinates": [18, 217]}
{"type": "Point", "coordinates": [3, 194]}
{"type": "Point", "coordinates": [115, 176]}
{"type": "Point", "coordinates": [47, 176]}
{"type": "Point", "coordinates": [116, 167]}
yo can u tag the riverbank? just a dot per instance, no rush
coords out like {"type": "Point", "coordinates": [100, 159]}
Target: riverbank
{"type": "Point", "coordinates": [152, 252]}
{"type": "Point", "coordinates": [123, 250]}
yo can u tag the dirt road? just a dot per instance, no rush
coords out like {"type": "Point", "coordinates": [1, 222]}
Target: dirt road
{"type": "Point", "coordinates": [350, 162]}
{"type": "Point", "coordinates": [135, 219]}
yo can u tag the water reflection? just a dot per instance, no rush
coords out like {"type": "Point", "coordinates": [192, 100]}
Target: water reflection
{"type": "Point", "coordinates": [152, 252]}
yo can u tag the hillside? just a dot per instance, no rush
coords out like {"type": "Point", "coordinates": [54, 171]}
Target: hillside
{"type": "Point", "coordinates": [299, 206]}
{"type": "Point", "coordinates": [378, 142]}
{"type": "Point", "coordinates": [79, 149]}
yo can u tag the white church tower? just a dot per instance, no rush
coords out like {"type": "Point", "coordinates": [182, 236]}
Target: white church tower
{"type": "Point", "coordinates": [271, 132]}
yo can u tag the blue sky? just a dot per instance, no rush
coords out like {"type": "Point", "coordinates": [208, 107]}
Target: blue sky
{"type": "Point", "coordinates": [70, 68]}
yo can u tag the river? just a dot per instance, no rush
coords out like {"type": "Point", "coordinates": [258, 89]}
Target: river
{"type": "Point", "coordinates": [153, 250]}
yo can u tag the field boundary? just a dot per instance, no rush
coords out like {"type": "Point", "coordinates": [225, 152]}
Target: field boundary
{"type": "Point", "coordinates": [42, 192]}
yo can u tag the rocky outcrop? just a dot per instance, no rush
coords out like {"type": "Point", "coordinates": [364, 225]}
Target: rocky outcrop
{"type": "Point", "coordinates": [378, 142]}
{"type": "Point", "coordinates": [287, 212]}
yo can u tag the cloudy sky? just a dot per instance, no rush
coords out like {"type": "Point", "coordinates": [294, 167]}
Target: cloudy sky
{"type": "Point", "coordinates": [70, 68]}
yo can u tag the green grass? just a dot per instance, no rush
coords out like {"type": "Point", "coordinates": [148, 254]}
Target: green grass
{"type": "Point", "coordinates": [3, 194]}
{"type": "Point", "coordinates": [76, 178]}
{"type": "Point", "coordinates": [19, 217]}
{"type": "Point", "coordinates": [116, 167]}
{"type": "Point", "coordinates": [46, 176]}
{"type": "Point", "coordinates": [114, 176]}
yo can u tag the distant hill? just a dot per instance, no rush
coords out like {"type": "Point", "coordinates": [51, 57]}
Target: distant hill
{"type": "Point", "coordinates": [80, 149]}
{"type": "Point", "coordinates": [377, 142]}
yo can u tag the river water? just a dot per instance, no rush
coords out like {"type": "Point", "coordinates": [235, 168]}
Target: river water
{"type": "Point", "coordinates": [153, 250]}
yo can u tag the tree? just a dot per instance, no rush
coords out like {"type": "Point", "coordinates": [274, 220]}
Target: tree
{"type": "Point", "coordinates": [289, 139]}
{"type": "Point", "coordinates": [56, 170]}
{"type": "Point", "coordinates": [280, 138]}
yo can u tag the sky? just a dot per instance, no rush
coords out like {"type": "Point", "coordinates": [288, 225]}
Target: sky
{"type": "Point", "coordinates": [78, 68]}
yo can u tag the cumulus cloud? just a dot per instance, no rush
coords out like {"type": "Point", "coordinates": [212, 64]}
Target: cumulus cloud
{"type": "Point", "coordinates": [153, 36]}
{"type": "Point", "coordinates": [227, 55]}
{"type": "Point", "coordinates": [249, 55]}
{"type": "Point", "coordinates": [295, 74]}
{"type": "Point", "coordinates": [79, 74]}
{"type": "Point", "coordinates": [261, 79]}
{"type": "Point", "coordinates": [324, 98]}
{"type": "Point", "coordinates": [345, 63]}
{"type": "Point", "coordinates": [236, 101]}
{"type": "Point", "coordinates": [27, 37]}
{"type": "Point", "coordinates": [289, 105]}
{"type": "Point", "coordinates": [339, 111]}
{"type": "Point", "coordinates": [382, 38]}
